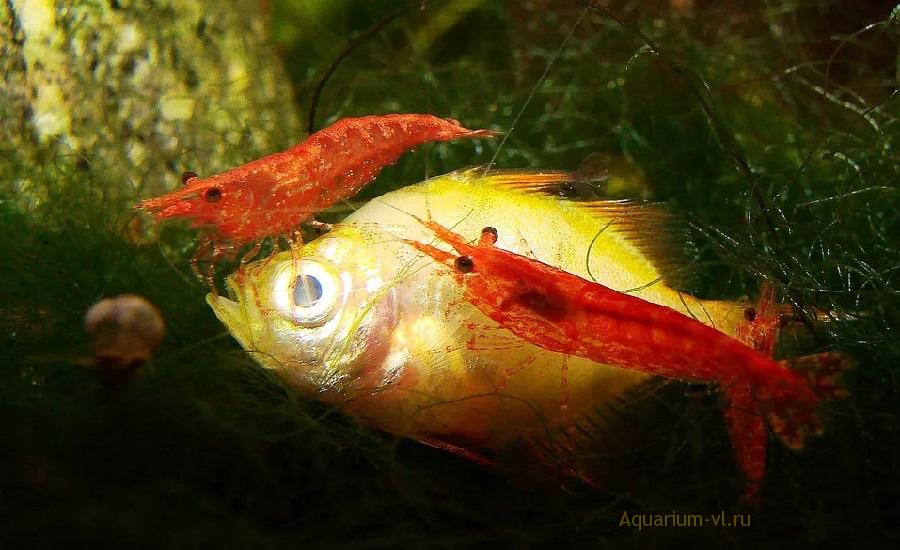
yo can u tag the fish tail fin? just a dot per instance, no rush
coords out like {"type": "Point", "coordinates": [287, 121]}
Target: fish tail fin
{"type": "Point", "coordinates": [792, 411]}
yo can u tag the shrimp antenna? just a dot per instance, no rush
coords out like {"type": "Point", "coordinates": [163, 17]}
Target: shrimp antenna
{"type": "Point", "coordinates": [345, 53]}
{"type": "Point", "coordinates": [417, 218]}
{"type": "Point", "coordinates": [397, 208]}
{"type": "Point", "coordinates": [534, 88]}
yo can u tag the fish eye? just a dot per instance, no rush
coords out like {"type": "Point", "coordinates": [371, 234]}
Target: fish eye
{"type": "Point", "coordinates": [464, 264]}
{"type": "Point", "coordinates": [187, 176]}
{"type": "Point", "coordinates": [307, 292]}
{"type": "Point", "coordinates": [213, 194]}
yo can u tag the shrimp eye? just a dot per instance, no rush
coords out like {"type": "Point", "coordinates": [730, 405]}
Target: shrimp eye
{"type": "Point", "coordinates": [464, 264]}
{"type": "Point", "coordinates": [187, 176]}
{"type": "Point", "coordinates": [213, 194]}
{"type": "Point", "coordinates": [750, 314]}
{"type": "Point", "coordinates": [490, 234]}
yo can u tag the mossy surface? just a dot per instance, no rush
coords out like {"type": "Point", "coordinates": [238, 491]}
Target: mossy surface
{"type": "Point", "coordinates": [138, 91]}
{"type": "Point", "coordinates": [770, 126]}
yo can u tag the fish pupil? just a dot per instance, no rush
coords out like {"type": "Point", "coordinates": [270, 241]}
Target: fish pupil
{"type": "Point", "coordinates": [464, 264]}
{"type": "Point", "coordinates": [213, 194]}
{"type": "Point", "coordinates": [307, 291]}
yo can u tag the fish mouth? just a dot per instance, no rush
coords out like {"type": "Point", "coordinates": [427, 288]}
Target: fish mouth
{"type": "Point", "coordinates": [231, 313]}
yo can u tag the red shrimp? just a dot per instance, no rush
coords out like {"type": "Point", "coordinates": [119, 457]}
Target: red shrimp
{"type": "Point", "coordinates": [275, 194]}
{"type": "Point", "coordinates": [562, 312]}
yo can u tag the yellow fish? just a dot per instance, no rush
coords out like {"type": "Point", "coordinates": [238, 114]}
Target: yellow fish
{"type": "Point", "coordinates": [359, 319]}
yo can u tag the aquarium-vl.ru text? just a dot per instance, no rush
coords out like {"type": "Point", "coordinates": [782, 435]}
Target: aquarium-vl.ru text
{"type": "Point", "coordinates": [722, 519]}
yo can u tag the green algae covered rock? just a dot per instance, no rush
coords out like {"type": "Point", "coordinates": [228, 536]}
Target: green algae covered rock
{"type": "Point", "coordinates": [134, 93]}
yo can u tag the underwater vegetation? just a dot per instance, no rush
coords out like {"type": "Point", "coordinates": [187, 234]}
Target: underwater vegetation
{"type": "Point", "coordinates": [769, 126]}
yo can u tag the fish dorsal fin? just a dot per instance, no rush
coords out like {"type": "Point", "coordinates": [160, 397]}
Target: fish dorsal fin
{"type": "Point", "coordinates": [659, 234]}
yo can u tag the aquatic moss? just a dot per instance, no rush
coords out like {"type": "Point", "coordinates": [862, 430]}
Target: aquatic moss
{"type": "Point", "coordinates": [771, 126]}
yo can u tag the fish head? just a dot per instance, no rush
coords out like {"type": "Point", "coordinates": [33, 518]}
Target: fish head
{"type": "Point", "coordinates": [321, 314]}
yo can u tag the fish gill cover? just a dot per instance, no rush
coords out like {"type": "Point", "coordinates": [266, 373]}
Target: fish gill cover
{"type": "Point", "coordinates": [770, 126]}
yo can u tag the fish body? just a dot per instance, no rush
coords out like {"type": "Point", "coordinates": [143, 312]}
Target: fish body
{"type": "Point", "coordinates": [360, 319]}
{"type": "Point", "coordinates": [274, 194]}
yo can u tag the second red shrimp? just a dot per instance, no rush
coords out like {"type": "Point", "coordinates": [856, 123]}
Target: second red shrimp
{"type": "Point", "coordinates": [562, 312]}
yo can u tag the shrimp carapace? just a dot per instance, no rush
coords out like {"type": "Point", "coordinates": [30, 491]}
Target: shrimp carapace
{"type": "Point", "coordinates": [563, 312]}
